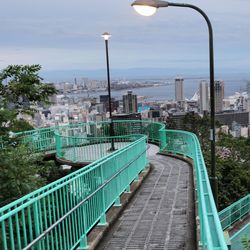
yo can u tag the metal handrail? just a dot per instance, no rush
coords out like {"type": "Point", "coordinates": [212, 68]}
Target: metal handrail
{"type": "Point", "coordinates": [170, 141]}
{"type": "Point", "coordinates": [48, 206]}
{"type": "Point", "coordinates": [235, 212]}
{"type": "Point", "coordinates": [187, 144]}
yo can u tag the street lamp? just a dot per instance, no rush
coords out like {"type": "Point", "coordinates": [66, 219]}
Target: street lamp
{"type": "Point", "coordinates": [148, 8]}
{"type": "Point", "coordinates": [106, 37]}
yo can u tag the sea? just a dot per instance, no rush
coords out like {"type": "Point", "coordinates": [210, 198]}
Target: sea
{"type": "Point", "coordinates": [164, 92]}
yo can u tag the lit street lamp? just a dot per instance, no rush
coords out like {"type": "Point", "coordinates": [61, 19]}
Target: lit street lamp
{"type": "Point", "coordinates": [106, 37]}
{"type": "Point", "coordinates": [148, 8]}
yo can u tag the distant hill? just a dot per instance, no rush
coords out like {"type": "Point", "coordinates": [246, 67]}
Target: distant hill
{"type": "Point", "coordinates": [135, 73]}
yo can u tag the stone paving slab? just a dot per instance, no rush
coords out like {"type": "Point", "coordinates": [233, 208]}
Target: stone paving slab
{"type": "Point", "coordinates": [161, 215]}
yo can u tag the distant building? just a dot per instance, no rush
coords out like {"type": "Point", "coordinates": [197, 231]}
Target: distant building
{"type": "Point", "coordinates": [154, 114]}
{"type": "Point", "coordinates": [177, 119]}
{"type": "Point", "coordinates": [133, 127]}
{"type": "Point", "coordinates": [236, 129]}
{"type": "Point", "coordinates": [248, 100]}
{"type": "Point", "coordinates": [248, 89]}
{"type": "Point", "coordinates": [105, 100]}
{"type": "Point", "coordinates": [204, 97]}
{"type": "Point", "coordinates": [228, 118]}
{"type": "Point", "coordinates": [179, 94]}
{"type": "Point", "coordinates": [218, 95]}
{"type": "Point", "coordinates": [129, 103]}
{"type": "Point", "coordinates": [134, 116]}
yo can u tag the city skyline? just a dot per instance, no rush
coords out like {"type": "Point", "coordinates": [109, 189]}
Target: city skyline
{"type": "Point", "coordinates": [66, 36]}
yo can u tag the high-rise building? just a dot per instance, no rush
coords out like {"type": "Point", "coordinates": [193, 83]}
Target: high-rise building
{"type": "Point", "coordinates": [204, 99]}
{"type": "Point", "coordinates": [248, 100]}
{"type": "Point", "coordinates": [218, 95]}
{"type": "Point", "coordinates": [248, 89]}
{"type": "Point", "coordinates": [129, 103]}
{"type": "Point", "coordinates": [179, 95]}
{"type": "Point", "coordinates": [105, 100]}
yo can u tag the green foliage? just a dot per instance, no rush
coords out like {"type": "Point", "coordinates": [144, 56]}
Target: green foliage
{"type": "Point", "coordinates": [21, 89]}
{"type": "Point", "coordinates": [233, 169]}
{"type": "Point", "coordinates": [198, 125]}
{"type": "Point", "coordinates": [19, 174]}
{"type": "Point", "coordinates": [245, 242]}
{"type": "Point", "coordinates": [22, 172]}
{"type": "Point", "coordinates": [232, 159]}
{"type": "Point", "coordinates": [24, 84]}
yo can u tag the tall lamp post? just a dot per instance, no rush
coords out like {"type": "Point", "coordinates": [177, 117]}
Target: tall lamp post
{"type": "Point", "coordinates": [148, 8]}
{"type": "Point", "coordinates": [106, 37]}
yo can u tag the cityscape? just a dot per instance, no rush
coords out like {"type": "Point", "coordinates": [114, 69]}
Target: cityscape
{"type": "Point", "coordinates": [86, 100]}
{"type": "Point", "coordinates": [124, 125]}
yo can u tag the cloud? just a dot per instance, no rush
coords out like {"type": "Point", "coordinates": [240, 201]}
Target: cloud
{"type": "Point", "coordinates": [62, 34]}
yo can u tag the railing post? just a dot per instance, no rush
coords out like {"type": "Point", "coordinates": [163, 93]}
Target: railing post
{"type": "Point", "coordinates": [163, 140]}
{"type": "Point", "coordinates": [36, 222]}
{"type": "Point", "coordinates": [74, 147]}
{"type": "Point", "coordinates": [103, 219]}
{"type": "Point", "coordinates": [128, 189]}
{"type": "Point", "coordinates": [58, 143]}
{"type": "Point", "coordinates": [83, 243]}
{"type": "Point", "coordinates": [118, 202]}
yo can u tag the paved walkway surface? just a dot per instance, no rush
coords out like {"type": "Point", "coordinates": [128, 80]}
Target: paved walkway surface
{"type": "Point", "coordinates": [161, 214]}
{"type": "Point", "coordinates": [90, 153]}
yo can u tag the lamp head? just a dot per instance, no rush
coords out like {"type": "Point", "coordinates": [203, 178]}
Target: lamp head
{"type": "Point", "coordinates": [106, 35]}
{"type": "Point", "coordinates": [148, 7]}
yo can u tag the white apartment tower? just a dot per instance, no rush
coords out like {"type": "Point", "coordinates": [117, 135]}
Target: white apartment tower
{"type": "Point", "coordinates": [179, 95]}
{"type": "Point", "coordinates": [204, 97]}
{"type": "Point", "coordinates": [218, 95]}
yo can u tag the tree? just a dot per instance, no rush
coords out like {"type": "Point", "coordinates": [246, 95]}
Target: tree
{"type": "Point", "coordinates": [232, 159]}
{"type": "Point", "coordinates": [199, 126]}
{"type": "Point", "coordinates": [233, 169]}
{"type": "Point", "coordinates": [19, 173]}
{"type": "Point", "coordinates": [21, 90]}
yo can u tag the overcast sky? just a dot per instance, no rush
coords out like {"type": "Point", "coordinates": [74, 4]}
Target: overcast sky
{"type": "Point", "coordinates": [65, 34]}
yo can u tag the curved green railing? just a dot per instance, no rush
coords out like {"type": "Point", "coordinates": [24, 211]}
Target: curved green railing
{"type": "Point", "coordinates": [88, 149]}
{"type": "Point", "coordinates": [187, 144]}
{"type": "Point", "coordinates": [236, 239]}
{"type": "Point", "coordinates": [59, 215]}
{"type": "Point", "coordinates": [57, 210]}
{"type": "Point", "coordinates": [44, 140]}
{"type": "Point", "coordinates": [235, 212]}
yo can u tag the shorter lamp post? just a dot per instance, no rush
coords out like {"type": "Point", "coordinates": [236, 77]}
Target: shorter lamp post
{"type": "Point", "coordinates": [106, 37]}
{"type": "Point", "coordinates": [148, 8]}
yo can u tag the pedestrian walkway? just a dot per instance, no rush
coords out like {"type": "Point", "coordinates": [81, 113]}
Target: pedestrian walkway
{"type": "Point", "coordinates": [160, 216]}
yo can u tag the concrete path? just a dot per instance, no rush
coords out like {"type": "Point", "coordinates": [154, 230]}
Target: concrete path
{"type": "Point", "coordinates": [161, 214]}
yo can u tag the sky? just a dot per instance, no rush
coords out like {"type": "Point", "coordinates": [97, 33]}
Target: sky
{"type": "Point", "coordinates": [65, 35]}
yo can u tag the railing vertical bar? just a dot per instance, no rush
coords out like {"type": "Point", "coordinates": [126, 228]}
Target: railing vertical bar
{"type": "Point", "coordinates": [24, 227]}
{"type": "Point", "coordinates": [4, 238]}
{"type": "Point", "coordinates": [51, 235]}
{"type": "Point", "coordinates": [58, 216]}
{"type": "Point", "coordinates": [19, 244]}
{"type": "Point", "coordinates": [30, 224]}
{"type": "Point", "coordinates": [12, 241]}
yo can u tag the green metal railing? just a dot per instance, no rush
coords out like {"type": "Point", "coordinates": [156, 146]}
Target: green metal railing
{"type": "Point", "coordinates": [187, 144]}
{"type": "Point", "coordinates": [43, 139]}
{"type": "Point", "coordinates": [89, 149]}
{"type": "Point", "coordinates": [235, 212]}
{"type": "Point", "coordinates": [236, 239]}
{"type": "Point", "coordinates": [60, 215]}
